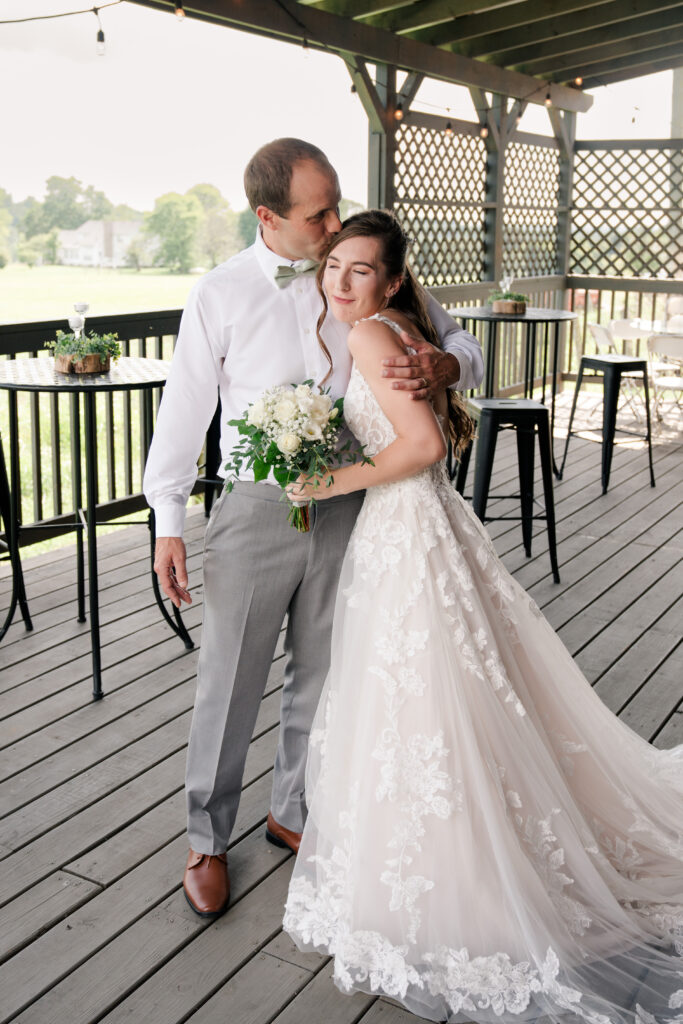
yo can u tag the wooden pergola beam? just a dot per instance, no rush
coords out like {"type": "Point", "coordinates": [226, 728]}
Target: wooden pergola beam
{"type": "Point", "coordinates": [355, 8]}
{"type": "Point", "coordinates": [426, 14]}
{"type": "Point", "coordinates": [651, 68]}
{"type": "Point", "coordinates": [481, 23]}
{"type": "Point", "coordinates": [293, 22]}
{"type": "Point", "coordinates": [645, 30]}
{"type": "Point", "coordinates": [497, 43]}
{"type": "Point", "coordinates": [635, 65]}
{"type": "Point", "coordinates": [635, 50]}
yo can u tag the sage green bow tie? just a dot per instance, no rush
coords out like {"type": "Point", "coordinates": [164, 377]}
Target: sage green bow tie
{"type": "Point", "coordinates": [284, 275]}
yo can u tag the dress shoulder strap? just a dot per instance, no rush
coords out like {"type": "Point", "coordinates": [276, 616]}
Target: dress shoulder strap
{"type": "Point", "coordinates": [384, 320]}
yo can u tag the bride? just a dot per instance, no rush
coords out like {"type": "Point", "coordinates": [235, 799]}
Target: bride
{"type": "Point", "coordinates": [485, 840]}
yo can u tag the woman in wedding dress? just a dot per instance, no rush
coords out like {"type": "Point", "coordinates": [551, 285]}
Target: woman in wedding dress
{"type": "Point", "coordinates": [485, 840]}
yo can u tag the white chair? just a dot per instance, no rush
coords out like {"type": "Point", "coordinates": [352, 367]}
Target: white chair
{"type": "Point", "coordinates": [666, 350]}
{"type": "Point", "coordinates": [605, 342]}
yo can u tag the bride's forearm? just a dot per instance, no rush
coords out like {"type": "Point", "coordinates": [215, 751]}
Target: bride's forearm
{"type": "Point", "coordinates": [397, 461]}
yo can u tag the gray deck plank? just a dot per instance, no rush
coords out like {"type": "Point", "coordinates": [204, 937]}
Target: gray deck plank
{"type": "Point", "coordinates": [96, 927]}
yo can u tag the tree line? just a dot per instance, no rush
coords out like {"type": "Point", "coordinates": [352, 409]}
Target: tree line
{"type": "Point", "coordinates": [197, 228]}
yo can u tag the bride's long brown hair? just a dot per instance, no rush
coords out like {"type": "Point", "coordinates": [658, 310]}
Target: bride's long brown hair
{"type": "Point", "coordinates": [410, 299]}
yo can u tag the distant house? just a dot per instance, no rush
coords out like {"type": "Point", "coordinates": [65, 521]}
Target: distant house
{"type": "Point", "coordinates": [97, 243]}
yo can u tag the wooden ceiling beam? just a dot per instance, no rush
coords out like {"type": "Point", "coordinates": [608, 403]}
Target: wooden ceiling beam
{"type": "Point", "coordinates": [645, 27]}
{"type": "Point", "coordinates": [427, 13]}
{"type": "Point", "coordinates": [292, 22]}
{"type": "Point", "coordinates": [498, 20]}
{"type": "Point", "coordinates": [623, 75]}
{"type": "Point", "coordinates": [633, 47]}
{"type": "Point", "coordinates": [611, 13]}
{"type": "Point", "coordinates": [634, 61]}
{"type": "Point", "coordinates": [355, 8]}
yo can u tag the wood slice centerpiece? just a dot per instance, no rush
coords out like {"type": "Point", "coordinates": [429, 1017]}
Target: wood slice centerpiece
{"type": "Point", "coordinates": [93, 362]}
{"type": "Point", "coordinates": [509, 306]}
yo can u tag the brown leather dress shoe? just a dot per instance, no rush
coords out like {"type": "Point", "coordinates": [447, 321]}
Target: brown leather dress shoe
{"type": "Point", "coordinates": [206, 883]}
{"type": "Point", "coordinates": [278, 835]}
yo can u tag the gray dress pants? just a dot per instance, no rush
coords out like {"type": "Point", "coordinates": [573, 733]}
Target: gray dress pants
{"type": "Point", "coordinates": [257, 568]}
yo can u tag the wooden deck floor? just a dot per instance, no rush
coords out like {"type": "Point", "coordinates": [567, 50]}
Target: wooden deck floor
{"type": "Point", "coordinates": [94, 923]}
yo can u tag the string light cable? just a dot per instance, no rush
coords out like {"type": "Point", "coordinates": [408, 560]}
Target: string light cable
{"type": "Point", "coordinates": [62, 14]}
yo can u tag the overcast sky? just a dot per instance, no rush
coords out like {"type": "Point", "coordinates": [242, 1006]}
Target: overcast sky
{"type": "Point", "coordinates": [172, 104]}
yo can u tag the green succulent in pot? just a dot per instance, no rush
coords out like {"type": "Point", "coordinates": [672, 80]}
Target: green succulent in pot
{"type": "Point", "coordinates": [84, 353]}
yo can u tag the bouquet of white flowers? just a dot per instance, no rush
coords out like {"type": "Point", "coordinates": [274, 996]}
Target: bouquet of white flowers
{"type": "Point", "coordinates": [293, 431]}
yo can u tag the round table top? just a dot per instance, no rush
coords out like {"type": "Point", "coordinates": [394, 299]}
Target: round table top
{"type": "Point", "coordinates": [129, 373]}
{"type": "Point", "coordinates": [533, 314]}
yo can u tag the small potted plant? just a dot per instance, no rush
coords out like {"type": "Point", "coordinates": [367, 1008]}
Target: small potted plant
{"type": "Point", "coordinates": [84, 353]}
{"type": "Point", "coordinates": [505, 301]}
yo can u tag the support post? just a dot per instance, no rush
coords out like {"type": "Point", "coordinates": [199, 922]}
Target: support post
{"type": "Point", "coordinates": [380, 102]}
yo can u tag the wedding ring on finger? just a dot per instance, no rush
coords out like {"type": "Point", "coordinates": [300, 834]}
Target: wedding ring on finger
{"type": "Point", "coordinates": [424, 382]}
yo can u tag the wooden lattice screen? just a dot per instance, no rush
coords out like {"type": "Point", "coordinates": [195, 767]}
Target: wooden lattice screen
{"type": "Point", "coordinates": [530, 215]}
{"type": "Point", "coordinates": [440, 188]}
{"type": "Point", "coordinates": [441, 183]}
{"type": "Point", "coordinates": [627, 202]}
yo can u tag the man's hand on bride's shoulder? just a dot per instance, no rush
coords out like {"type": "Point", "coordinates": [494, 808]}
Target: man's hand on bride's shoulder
{"type": "Point", "coordinates": [428, 371]}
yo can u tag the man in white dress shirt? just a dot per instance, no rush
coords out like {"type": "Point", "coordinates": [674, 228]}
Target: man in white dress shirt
{"type": "Point", "coordinates": [242, 332]}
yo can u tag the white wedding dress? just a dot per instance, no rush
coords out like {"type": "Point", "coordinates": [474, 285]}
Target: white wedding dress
{"type": "Point", "coordinates": [486, 841]}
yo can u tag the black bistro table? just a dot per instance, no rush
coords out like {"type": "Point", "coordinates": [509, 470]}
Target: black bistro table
{"type": "Point", "coordinates": [127, 374]}
{"type": "Point", "coordinates": [550, 320]}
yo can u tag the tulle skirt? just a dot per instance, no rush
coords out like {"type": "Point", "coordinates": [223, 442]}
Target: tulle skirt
{"type": "Point", "coordinates": [486, 841]}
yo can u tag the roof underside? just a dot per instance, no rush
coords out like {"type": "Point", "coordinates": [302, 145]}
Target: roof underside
{"type": "Point", "coordinates": [514, 47]}
{"type": "Point", "coordinates": [557, 40]}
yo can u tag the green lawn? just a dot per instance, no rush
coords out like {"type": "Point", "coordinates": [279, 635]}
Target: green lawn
{"type": "Point", "coordinates": [48, 293]}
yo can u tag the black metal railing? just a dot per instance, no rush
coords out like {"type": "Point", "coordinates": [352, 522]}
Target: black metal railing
{"type": "Point", "coordinates": [47, 425]}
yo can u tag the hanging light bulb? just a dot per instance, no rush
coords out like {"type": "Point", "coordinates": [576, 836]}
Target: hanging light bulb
{"type": "Point", "coordinates": [548, 99]}
{"type": "Point", "coordinates": [100, 33]}
{"type": "Point", "coordinates": [578, 81]}
{"type": "Point", "coordinates": [398, 113]}
{"type": "Point", "coordinates": [483, 131]}
{"type": "Point", "coordinates": [179, 11]}
{"type": "Point", "coordinates": [304, 47]}
{"type": "Point", "coordinates": [448, 130]}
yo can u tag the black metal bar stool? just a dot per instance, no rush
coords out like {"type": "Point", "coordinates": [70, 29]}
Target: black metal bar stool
{"type": "Point", "coordinates": [611, 368]}
{"type": "Point", "coordinates": [527, 418]}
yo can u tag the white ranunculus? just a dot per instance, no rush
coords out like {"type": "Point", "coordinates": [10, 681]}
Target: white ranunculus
{"type": "Point", "coordinates": [288, 444]}
{"type": "Point", "coordinates": [285, 410]}
{"type": "Point", "coordinates": [311, 430]}
{"type": "Point", "coordinates": [256, 413]}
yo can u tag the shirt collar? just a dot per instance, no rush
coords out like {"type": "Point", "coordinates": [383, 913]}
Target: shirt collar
{"type": "Point", "coordinates": [269, 260]}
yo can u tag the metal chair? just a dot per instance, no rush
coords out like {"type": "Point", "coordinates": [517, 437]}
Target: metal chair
{"type": "Point", "coordinates": [666, 367]}
{"type": "Point", "coordinates": [528, 419]}
{"type": "Point", "coordinates": [9, 550]}
{"type": "Point", "coordinates": [611, 368]}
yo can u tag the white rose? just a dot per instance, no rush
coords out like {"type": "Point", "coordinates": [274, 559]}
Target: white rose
{"type": "Point", "coordinates": [288, 443]}
{"type": "Point", "coordinates": [256, 413]}
{"type": "Point", "coordinates": [311, 430]}
{"type": "Point", "coordinates": [305, 403]}
{"type": "Point", "coordinates": [321, 407]}
{"type": "Point", "coordinates": [285, 410]}
{"type": "Point", "coordinates": [303, 391]}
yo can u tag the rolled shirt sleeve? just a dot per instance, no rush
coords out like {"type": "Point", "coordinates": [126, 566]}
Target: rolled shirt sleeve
{"type": "Point", "coordinates": [459, 343]}
{"type": "Point", "coordinates": [187, 407]}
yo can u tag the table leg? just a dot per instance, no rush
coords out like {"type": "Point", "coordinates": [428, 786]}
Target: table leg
{"type": "Point", "coordinates": [546, 328]}
{"type": "Point", "coordinates": [531, 361]}
{"type": "Point", "coordinates": [77, 499]}
{"type": "Point", "coordinates": [553, 394]}
{"type": "Point", "coordinates": [11, 503]}
{"type": "Point", "coordinates": [91, 506]}
{"type": "Point", "coordinates": [491, 341]}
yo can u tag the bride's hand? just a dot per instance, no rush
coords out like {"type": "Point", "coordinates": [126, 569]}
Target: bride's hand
{"type": "Point", "coordinates": [303, 489]}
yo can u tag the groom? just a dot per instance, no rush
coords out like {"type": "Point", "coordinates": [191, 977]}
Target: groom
{"type": "Point", "coordinates": [250, 324]}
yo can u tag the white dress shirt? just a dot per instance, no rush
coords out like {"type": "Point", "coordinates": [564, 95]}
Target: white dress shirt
{"type": "Point", "coordinates": [239, 335]}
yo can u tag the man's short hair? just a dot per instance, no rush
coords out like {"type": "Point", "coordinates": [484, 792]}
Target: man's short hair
{"type": "Point", "coordinates": [268, 175]}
